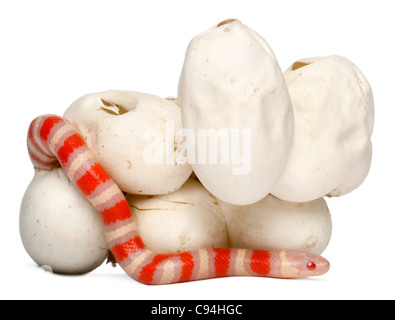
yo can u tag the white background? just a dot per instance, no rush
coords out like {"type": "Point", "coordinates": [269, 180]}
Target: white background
{"type": "Point", "coordinates": [52, 52]}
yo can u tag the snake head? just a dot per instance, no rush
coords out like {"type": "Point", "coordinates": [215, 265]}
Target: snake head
{"type": "Point", "coordinates": [297, 264]}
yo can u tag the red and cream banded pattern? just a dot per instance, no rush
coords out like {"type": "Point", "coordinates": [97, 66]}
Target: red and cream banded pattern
{"type": "Point", "coordinates": [53, 141]}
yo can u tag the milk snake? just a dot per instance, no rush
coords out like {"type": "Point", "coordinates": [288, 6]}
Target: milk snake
{"type": "Point", "coordinates": [53, 140]}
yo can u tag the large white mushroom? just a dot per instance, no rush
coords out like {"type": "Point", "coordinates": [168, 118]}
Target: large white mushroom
{"type": "Point", "coordinates": [133, 136]}
{"type": "Point", "coordinates": [333, 117]}
{"type": "Point", "coordinates": [59, 228]}
{"type": "Point", "coordinates": [187, 219]}
{"type": "Point", "coordinates": [273, 224]}
{"type": "Point", "coordinates": [236, 112]}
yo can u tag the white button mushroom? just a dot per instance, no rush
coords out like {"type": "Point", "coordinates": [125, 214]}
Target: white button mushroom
{"type": "Point", "coordinates": [188, 219]}
{"type": "Point", "coordinates": [59, 227]}
{"type": "Point", "coordinates": [273, 224]}
{"type": "Point", "coordinates": [133, 136]}
{"type": "Point", "coordinates": [333, 118]}
{"type": "Point", "coordinates": [232, 90]}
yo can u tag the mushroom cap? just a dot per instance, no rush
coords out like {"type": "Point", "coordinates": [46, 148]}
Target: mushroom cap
{"type": "Point", "coordinates": [188, 219]}
{"type": "Point", "coordinates": [333, 117]}
{"type": "Point", "coordinates": [231, 83]}
{"type": "Point", "coordinates": [274, 224]}
{"type": "Point", "coordinates": [122, 127]}
{"type": "Point", "coordinates": [59, 227]}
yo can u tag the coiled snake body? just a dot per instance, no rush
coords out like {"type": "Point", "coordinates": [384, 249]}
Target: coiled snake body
{"type": "Point", "coordinates": [52, 140]}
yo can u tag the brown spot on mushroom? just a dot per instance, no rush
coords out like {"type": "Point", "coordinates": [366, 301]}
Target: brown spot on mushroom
{"type": "Point", "coordinates": [113, 108]}
{"type": "Point", "coordinates": [129, 163]}
{"type": "Point", "coordinates": [225, 22]}
{"type": "Point", "coordinates": [311, 242]}
{"type": "Point", "coordinates": [297, 65]}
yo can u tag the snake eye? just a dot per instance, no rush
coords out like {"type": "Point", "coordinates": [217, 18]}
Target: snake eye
{"type": "Point", "coordinates": [311, 266]}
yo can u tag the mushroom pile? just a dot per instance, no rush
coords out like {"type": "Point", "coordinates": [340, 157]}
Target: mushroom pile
{"type": "Point", "coordinates": [243, 157]}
